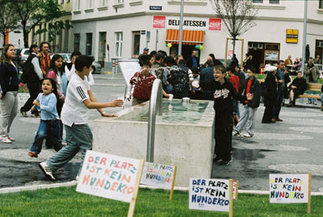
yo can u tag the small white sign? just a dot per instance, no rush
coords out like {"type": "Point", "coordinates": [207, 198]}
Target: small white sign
{"type": "Point", "coordinates": [158, 175]}
{"type": "Point", "coordinates": [288, 188]}
{"type": "Point", "coordinates": [108, 176]}
{"type": "Point", "coordinates": [209, 194]}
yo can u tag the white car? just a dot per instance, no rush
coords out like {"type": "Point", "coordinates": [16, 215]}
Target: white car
{"type": "Point", "coordinates": [24, 53]}
{"type": "Point", "coordinates": [96, 67]}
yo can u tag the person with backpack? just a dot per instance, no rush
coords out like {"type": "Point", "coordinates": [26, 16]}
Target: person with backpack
{"type": "Point", "coordinates": [180, 80]}
{"type": "Point", "coordinates": [32, 75]}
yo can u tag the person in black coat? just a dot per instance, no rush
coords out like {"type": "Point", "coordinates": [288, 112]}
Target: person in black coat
{"type": "Point", "coordinates": [298, 87]}
{"type": "Point", "coordinates": [270, 95]}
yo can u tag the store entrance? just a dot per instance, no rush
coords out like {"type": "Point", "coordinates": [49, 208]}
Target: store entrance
{"type": "Point", "coordinates": [186, 51]}
{"type": "Point", "coordinates": [264, 53]}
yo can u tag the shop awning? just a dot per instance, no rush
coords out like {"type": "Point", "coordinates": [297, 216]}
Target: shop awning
{"type": "Point", "coordinates": [190, 37]}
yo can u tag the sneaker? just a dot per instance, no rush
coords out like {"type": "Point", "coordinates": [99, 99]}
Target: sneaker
{"type": "Point", "coordinates": [278, 119]}
{"type": "Point", "coordinates": [6, 140]}
{"type": "Point", "coordinates": [236, 133]}
{"type": "Point", "coordinates": [247, 135]}
{"type": "Point", "coordinates": [11, 138]}
{"type": "Point", "coordinates": [35, 115]}
{"type": "Point", "coordinates": [32, 154]}
{"type": "Point", "coordinates": [226, 162]}
{"type": "Point", "coordinates": [24, 114]}
{"type": "Point", "coordinates": [47, 171]}
{"type": "Point", "coordinates": [217, 158]}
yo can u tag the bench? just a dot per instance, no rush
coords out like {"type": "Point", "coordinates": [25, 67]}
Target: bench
{"type": "Point", "coordinates": [312, 87]}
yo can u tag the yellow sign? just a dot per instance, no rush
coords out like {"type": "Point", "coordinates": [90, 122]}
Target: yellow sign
{"type": "Point", "coordinates": [292, 36]}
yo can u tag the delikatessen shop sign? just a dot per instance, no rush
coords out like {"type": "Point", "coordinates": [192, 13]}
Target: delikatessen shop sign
{"type": "Point", "coordinates": [191, 23]}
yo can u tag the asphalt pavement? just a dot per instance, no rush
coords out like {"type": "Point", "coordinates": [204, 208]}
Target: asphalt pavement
{"type": "Point", "coordinates": [292, 146]}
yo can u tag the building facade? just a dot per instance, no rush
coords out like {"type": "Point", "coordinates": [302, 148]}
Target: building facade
{"type": "Point", "coordinates": [122, 28]}
{"type": "Point", "coordinates": [60, 43]}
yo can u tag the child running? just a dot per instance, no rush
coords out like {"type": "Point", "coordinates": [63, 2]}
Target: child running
{"type": "Point", "coordinates": [49, 127]}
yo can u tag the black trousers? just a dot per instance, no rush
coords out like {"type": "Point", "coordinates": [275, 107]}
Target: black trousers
{"type": "Point", "coordinates": [223, 135]}
{"type": "Point", "coordinates": [34, 90]}
{"type": "Point", "coordinates": [268, 114]}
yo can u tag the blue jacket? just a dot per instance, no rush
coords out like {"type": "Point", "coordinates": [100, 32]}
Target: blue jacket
{"type": "Point", "coordinates": [8, 78]}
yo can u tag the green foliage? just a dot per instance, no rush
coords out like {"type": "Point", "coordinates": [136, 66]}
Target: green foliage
{"type": "Point", "coordinates": [8, 17]}
{"type": "Point", "coordinates": [34, 12]}
{"type": "Point", "coordinates": [150, 203]}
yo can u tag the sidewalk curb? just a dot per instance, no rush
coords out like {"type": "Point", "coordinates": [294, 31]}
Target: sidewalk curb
{"type": "Point", "coordinates": [73, 183]}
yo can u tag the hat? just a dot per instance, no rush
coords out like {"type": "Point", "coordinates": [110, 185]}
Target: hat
{"type": "Point", "coordinates": [270, 68]}
{"type": "Point", "coordinates": [145, 49]}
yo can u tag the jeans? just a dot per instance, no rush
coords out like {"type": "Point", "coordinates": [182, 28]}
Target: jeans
{"type": "Point", "coordinates": [310, 100]}
{"type": "Point", "coordinates": [248, 116]}
{"type": "Point", "coordinates": [78, 137]}
{"type": "Point", "coordinates": [49, 130]}
{"type": "Point", "coordinates": [8, 112]}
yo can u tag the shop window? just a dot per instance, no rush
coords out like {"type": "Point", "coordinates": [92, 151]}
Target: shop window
{"type": "Point", "coordinates": [88, 50]}
{"type": "Point", "coordinates": [118, 44]}
{"type": "Point", "coordinates": [321, 4]}
{"type": "Point", "coordinates": [77, 39]}
{"type": "Point", "coordinates": [136, 43]}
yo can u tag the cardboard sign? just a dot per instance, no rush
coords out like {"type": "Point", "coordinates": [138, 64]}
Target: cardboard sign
{"type": "Point", "coordinates": [109, 176]}
{"type": "Point", "coordinates": [289, 188]}
{"type": "Point", "coordinates": [210, 194]}
{"type": "Point", "coordinates": [157, 175]}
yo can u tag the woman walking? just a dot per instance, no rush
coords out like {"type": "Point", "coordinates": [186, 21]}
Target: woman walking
{"type": "Point", "coordinates": [8, 95]}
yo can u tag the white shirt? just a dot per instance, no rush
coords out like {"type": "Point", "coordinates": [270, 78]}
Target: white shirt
{"type": "Point", "coordinates": [69, 74]}
{"type": "Point", "coordinates": [74, 110]}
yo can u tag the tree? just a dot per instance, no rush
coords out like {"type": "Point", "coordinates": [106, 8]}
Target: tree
{"type": "Point", "coordinates": [35, 12]}
{"type": "Point", "coordinates": [237, 16]}
{"type": "Point", "coordinates": [8, 19]}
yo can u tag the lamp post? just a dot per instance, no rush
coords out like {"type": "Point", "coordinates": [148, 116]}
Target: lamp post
{"type": "Point", "coordinates": [181, 28]}
{"type": "Point", "coordinates": [304, 36]}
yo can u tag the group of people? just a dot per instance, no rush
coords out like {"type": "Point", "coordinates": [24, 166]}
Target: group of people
{"type": "Point", "coordinates": [61, 94]}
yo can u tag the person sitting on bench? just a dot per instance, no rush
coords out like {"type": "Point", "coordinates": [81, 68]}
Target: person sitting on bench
{"type": "Point", "coordinates": [298, 87]}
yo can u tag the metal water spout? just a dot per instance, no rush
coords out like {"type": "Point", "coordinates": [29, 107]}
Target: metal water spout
{"type": "Point", "coordinates": [154, 109]}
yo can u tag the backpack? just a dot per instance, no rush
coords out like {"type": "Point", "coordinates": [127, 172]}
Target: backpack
{"type": "Point", "coordinates": [28, 71]}
{"type": "Point", "coordinates": [180, 81]}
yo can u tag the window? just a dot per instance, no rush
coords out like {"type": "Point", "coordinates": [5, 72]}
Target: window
{"type": "Point", "coordinates": [77, 39]}
{"type": "Point", "coordinates": [118, 40]}
{"type": "Point", "coordinates": [104, 3]}
{"type": "Point", "coordinates": [62, 2]}
{"type": "Point", "coordinates": [321, 4]}
{"type": "Point", "coordinates": [90, 4]}
{"type": "Point", "coordinates": [257, 1]}
{"type": "Point", "coordinates": [120, 1]}
{"type": "Point", "coordinates": [45, 33]}
{"type": "Point", "coordinates": [274, 2]}
{"type": "Point", "coordinates": [88, 48]}
{"type": "Point", "coordinates": [77, 5]}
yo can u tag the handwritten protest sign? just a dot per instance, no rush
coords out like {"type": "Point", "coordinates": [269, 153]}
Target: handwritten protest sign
{"type": "Point", "coordinates": [211, 194]}
{"type": "Point", "coordinates": [159, 175]}
{"type": "Point", "coordinates": [109, 176]}
{"type": "Point", "coordinates": [289, 188]}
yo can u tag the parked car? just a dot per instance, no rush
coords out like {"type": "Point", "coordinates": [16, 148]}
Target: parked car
{"type": "Point", "coordinates": [96, 67]}
{"type": "Point", "coordinates": [24, 53]}
{"type": "Point", "coordinates": [66, 56]}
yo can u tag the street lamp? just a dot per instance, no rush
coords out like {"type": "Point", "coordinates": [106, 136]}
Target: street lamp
{"type": "Point", "coordinates": [304, 36]}
{"type": "Point", "coordinates": [181, 28]}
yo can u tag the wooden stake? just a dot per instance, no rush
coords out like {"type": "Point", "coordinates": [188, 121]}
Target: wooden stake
{"type": "Point", "coordinates": [230, 198]}
{"type": "Point", "coordinates": [309, 193]}
{"type": "Point", "coordinates": [242, 45]}
{"type": "Point", "coordinates": [135, 192]}
{"type": "Point", "coordinates": [173, 183]}
{"type": "Point", "coordinates": [226, 53]}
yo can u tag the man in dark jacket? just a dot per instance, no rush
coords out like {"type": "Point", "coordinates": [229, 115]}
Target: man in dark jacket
{"type": "Point", "coordinates": [270, 95]}
{"type": "Point", "coordinates": [224, 93]}
{"type": "Point", "coordinates": [193, 61]}
{"type": "Point", "coordinates": [248, 112]}
{"type": "Point", "coordinates": [298, 87]}
{"type": "Point", "coordinates": [32, 75]}
{"type": "Point", "coordinates": [206, 76]}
